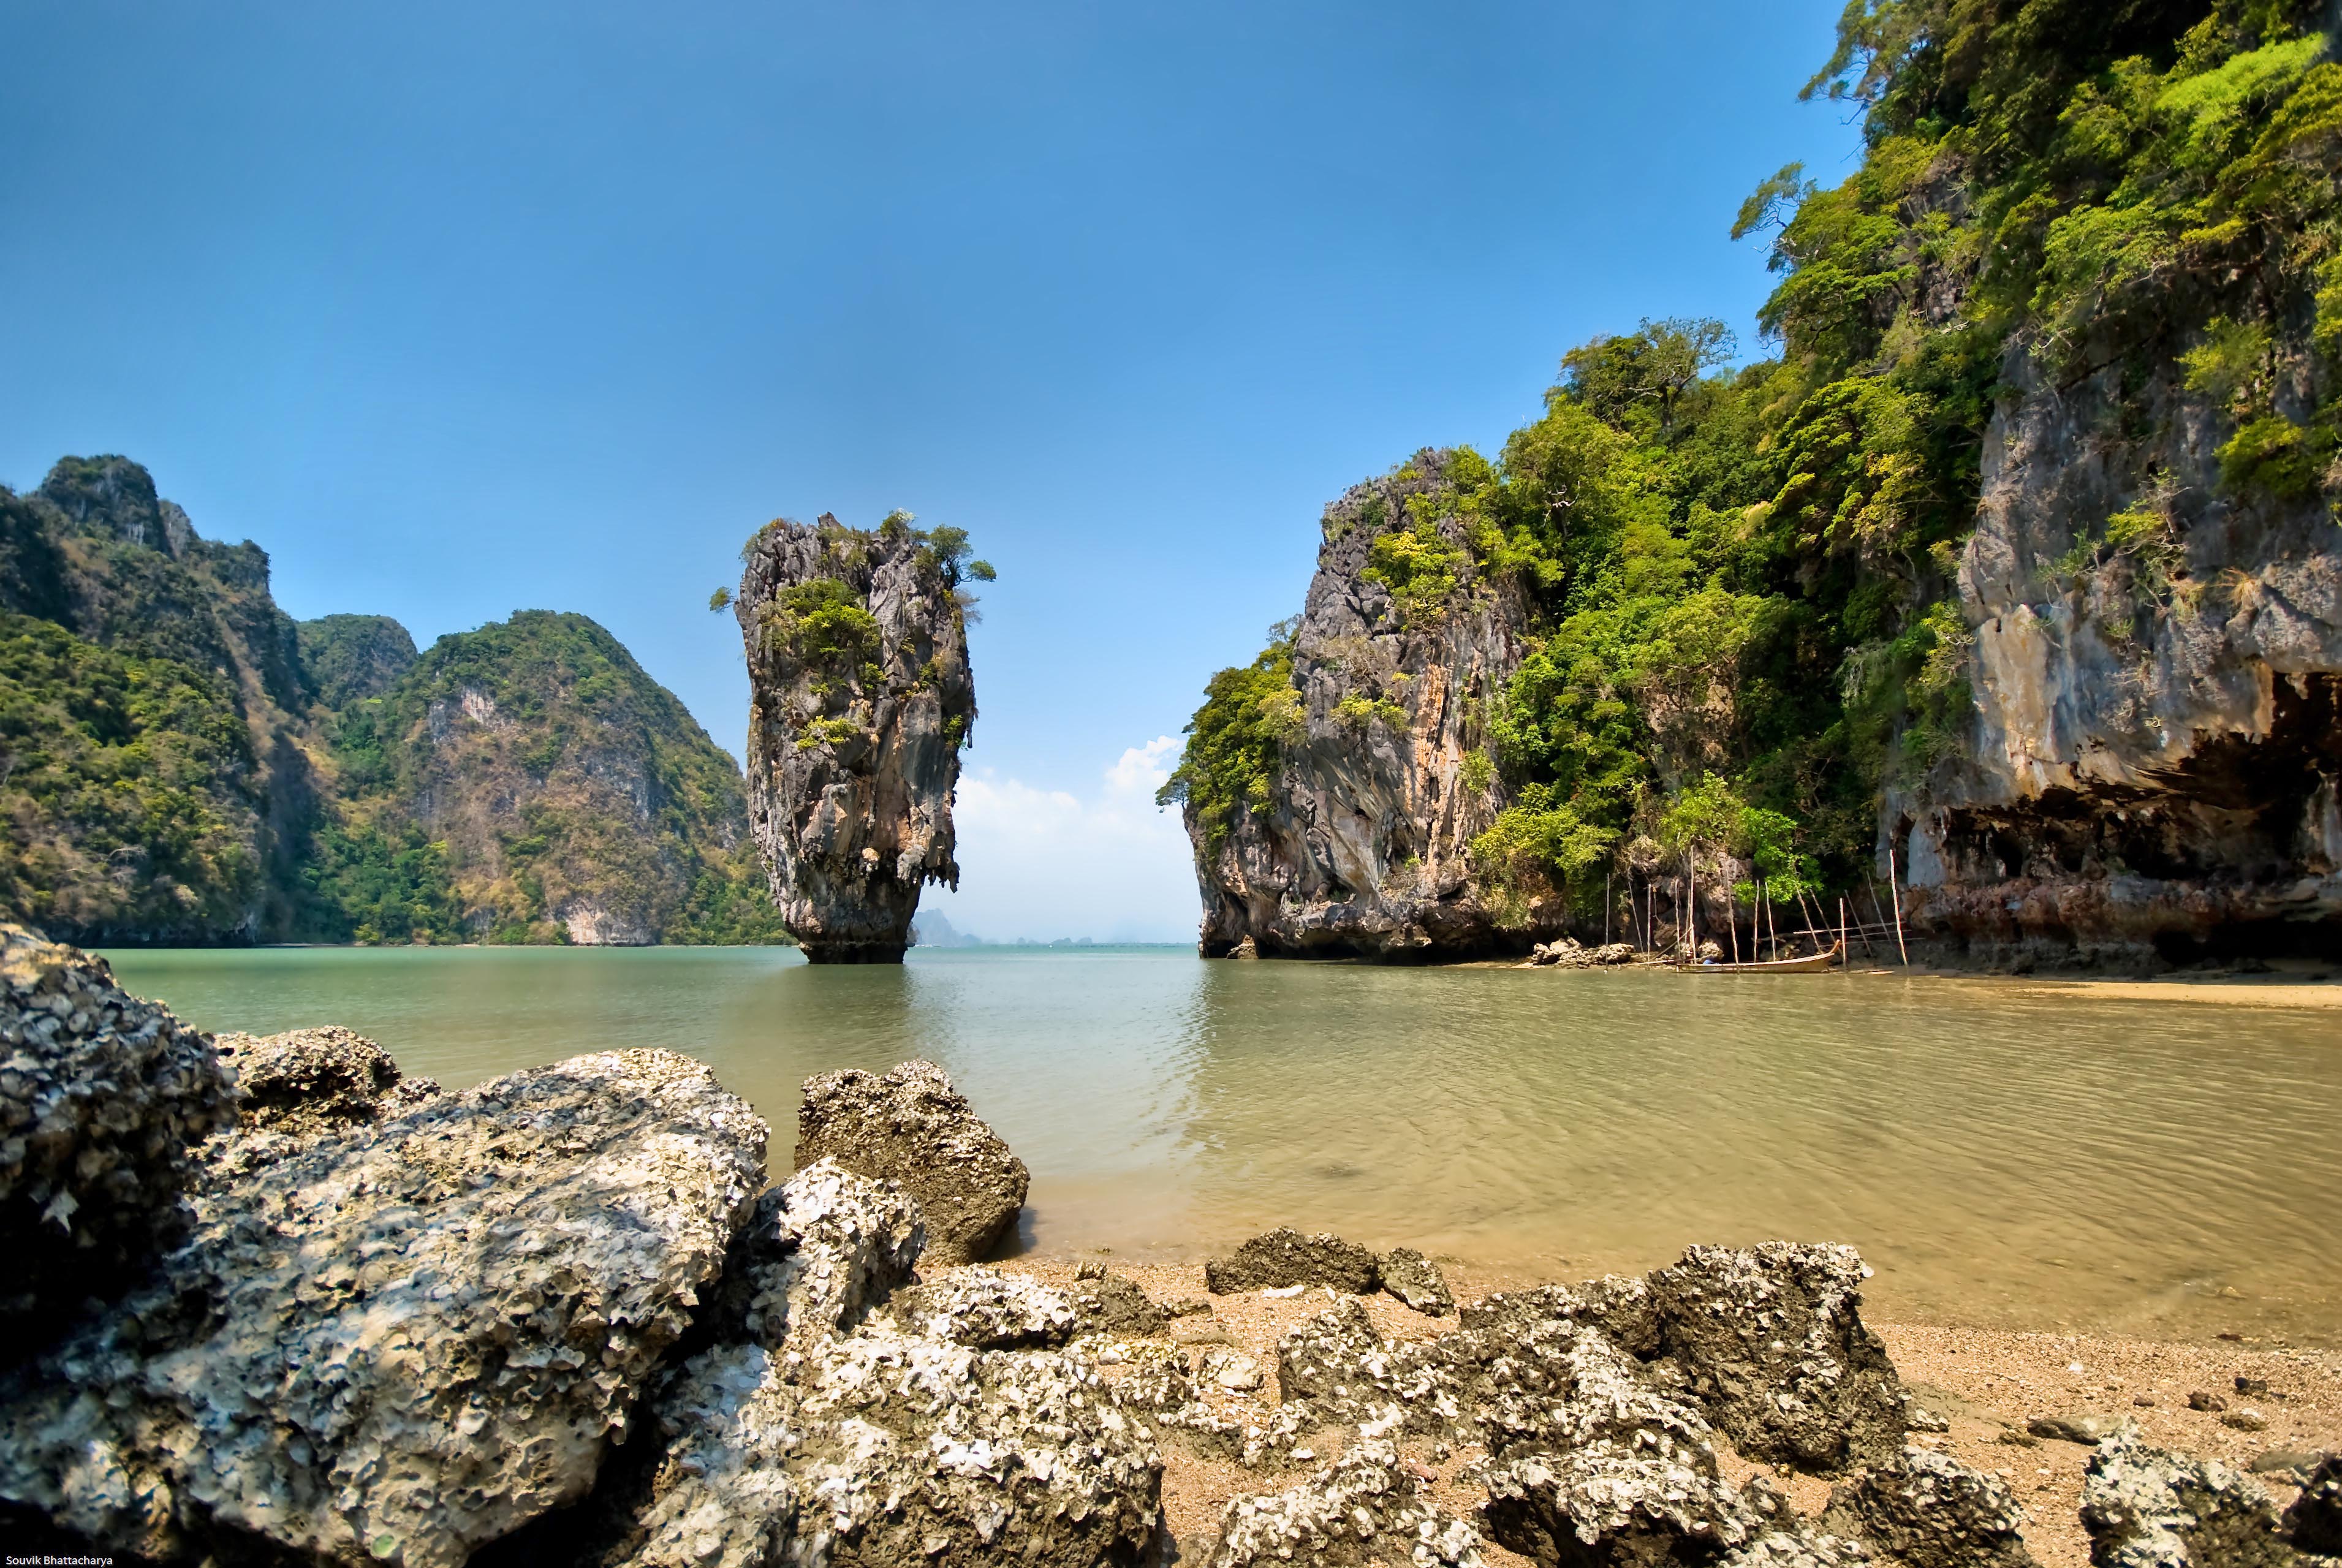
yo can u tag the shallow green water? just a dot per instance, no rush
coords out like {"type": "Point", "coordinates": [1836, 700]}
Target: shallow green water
{"type": "Point", "coordinates": [2000, 1154]}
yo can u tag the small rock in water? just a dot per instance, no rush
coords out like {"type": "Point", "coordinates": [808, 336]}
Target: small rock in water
{"type": "Point", "coordinates": [1285, 1257]}
{"type": "Point", "coordinates": [1415, 1281]}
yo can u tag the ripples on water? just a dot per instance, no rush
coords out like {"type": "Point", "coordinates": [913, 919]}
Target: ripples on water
{"type": "Point", "coordinates": [2002, 1153]}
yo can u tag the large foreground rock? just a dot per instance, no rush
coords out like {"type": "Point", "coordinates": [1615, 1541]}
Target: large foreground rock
{"type": "Point", "coordinates": [2146, 1507]}
{"type": "Point", "coordinates": [102, 1098]}
{"type": "Point", "coordinates": [394, 1346]}
{"type": "Point", "coordinates": [911, 1127]}
{"type": "Point", "coordinates": [306, 1083]}
{"type": "Point", "coordinates": [1612, 1504]}
{"type": "Point", "coordinates": [860, 700]}
{"type": "Point", "coordinates": [1773, 1343]}
{"type": "Point", "coordinates": [819, 1254]}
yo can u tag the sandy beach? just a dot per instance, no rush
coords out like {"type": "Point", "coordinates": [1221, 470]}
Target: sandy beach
{"type": "Point", "coordinates": [1985, 1385]}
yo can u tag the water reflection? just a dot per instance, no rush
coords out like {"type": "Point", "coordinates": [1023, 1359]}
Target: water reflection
{"type": "Point", "coordinates": [2001, 1154]}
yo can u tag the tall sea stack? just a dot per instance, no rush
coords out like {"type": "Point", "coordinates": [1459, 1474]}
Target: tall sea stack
{"type": "Point", "coordinates": [860, 700]}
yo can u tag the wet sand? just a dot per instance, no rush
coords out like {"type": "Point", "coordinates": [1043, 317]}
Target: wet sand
{"type": "Point", "coordinates": [1984, 1384]}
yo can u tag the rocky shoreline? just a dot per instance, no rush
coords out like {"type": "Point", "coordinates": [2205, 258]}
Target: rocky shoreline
{"type": "Point", "coordinates": [298, 1309]}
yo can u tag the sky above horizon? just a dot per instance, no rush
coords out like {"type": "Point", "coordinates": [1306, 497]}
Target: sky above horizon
{"type": "Point", "coordinates": [460, 310]}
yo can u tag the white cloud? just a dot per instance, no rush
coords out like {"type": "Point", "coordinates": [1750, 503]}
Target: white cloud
{"type": "Point", "coordinates": [1049, 863]}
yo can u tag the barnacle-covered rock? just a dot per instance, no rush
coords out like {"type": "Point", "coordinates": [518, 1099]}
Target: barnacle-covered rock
{"type": "Point", "coordinates": [910, 1126]}
{"type": "Point", "coordinates": [400, 1344]}
{"type": "Point", "coordinates": [1771, 1341]}
{"type": "Point", "coordinates": [821, 1252]}
{"type": "Point", "coordinates": [1366, 1507]}
{"type": "Point", "coordinates": [307, 1082]}
{"type": "Point", "coordinates": [1415, 1281]}
{"type": "Point", "coordinates": [2146, 1507]}
{"type": "Point", "coordinates": [1616, 1504]}
{"type": "Point", "coordinates": [103, 1097]}
{"type": "Point", "coordinates": [985, 1309]}
{"type": "Point", "coordinates": [1285, 1257]}
{"type": "Point", "coordinates": [1928, 1510]}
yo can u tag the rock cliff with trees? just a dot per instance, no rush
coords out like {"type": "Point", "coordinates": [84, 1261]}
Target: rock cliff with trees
{"type": "Point", "coordinates": [182, 763]}
{"type": "Point", "coordinates": [2014, 574]}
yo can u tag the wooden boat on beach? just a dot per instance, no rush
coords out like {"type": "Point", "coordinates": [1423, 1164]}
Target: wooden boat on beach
{"type": "Point", "coordinates": [1812, 964]}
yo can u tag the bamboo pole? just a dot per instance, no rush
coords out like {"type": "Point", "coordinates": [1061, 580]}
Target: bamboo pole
{"type": "Point", "coordinates": [1770, 929]}
{"type": "Point", "coordinates": [1609, 899]}
{"type": "Point", "coordinates": [1732, 922]}
{"type": "Point", "coordinates": [1812, 918]}
{"type": "Point", "coordinates": [1897, 893]}
{"type": "Point", "coordinates": [1691, 909]}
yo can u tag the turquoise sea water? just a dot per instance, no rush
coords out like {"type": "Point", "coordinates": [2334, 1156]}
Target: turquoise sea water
{"type": "Point", "coordinates": [2001, 1153]}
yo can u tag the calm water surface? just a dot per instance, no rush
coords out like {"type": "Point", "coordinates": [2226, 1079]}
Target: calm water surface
{"type": "Point", "coordinates": [2002, 1153]}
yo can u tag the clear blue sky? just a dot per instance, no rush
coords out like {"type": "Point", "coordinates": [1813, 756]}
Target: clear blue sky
{"type": "Point", "coordinates": [460, 309]}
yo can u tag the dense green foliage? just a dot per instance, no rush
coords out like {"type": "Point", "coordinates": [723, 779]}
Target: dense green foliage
{"type": "Point", "coordinates": [182, 763]}
{"type": "Point", "coordinates": [130, 786]}
{"type": "Point", "coordinates": [1742, 581]}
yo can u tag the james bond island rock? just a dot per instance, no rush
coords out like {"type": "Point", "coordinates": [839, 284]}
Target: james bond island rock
{"type": "Point", "coordinates": [397, 1344]}
{"type": "Point", "coordinates": [2015, 573]}
{"type": "Point", "coordinates": [911, 1126]}
{"type": "Point", "coordinates": [103, 1097]}
{"type": "Point", "coordinates": [860, 701]}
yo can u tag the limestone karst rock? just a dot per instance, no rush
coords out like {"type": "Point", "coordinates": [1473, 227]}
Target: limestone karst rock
{"type": "Point", "coordinates": [860, 701]}
{"type": "Point", "coordinates": [911, 1126]}
{"type": "Point", "coordinates": [397, 1344]}
{"type": "Point", "coordinates": [103, 1097]}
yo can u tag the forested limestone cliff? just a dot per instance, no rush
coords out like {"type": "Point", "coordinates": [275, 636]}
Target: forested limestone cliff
{"type": "Point", "coordinates": [2016, 569]}
{"type": "Point", "coordinates": [182, 763]}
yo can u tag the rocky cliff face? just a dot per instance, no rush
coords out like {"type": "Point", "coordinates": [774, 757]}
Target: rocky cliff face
{"type": "Point", "coordinates": [2152, 775]}
{"type": "Point", "coordinates": [1358, 845]}
{"type": "Point", "coordinates": [860, 701]}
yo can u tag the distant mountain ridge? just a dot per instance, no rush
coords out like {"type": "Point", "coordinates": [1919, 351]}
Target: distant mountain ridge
{"type": "Point", "coordinates": [182, 763]}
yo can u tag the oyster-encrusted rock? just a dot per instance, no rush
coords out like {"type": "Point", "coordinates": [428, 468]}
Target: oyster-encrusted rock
{"type": "Point", "coordinates": [1415, 1281]}
{"type": "Point", "coordinates": [1366, 1507]}
{"type": "Point", "coordinates": [1928, 1510]}
{"type": "Point", "coordinates": [1771, 1341]}
{"type": "Point", "coordinates": [1113, 1305]}
{"type": "Point", "coordinates": [2147, 1507]}
{"type": "Point", "coordinates": [1285, 1257]}
{"type": "Point", "coordinates": [1621, 1305]}
{"type": "Point", "coordinates": [821, 1252]}
{"type": "Point", "coordinates": [307, 1082]}
{"type": "Point", "coordinates": [2314, 1523]}
{"type": "Point", "coordinates": [1799, 1546]}
{"type": "Point", "coordinates": [1612, 1504]}
{"type": "Point", "coordinates": [985, 1309]}
{"type": "Point", "coordinates": [404, 1341]}
{"type": "Point", "coordinates": [103, 1097]}
{"type": "Point", "coordinates": [881, 1449]}
{"type": "Point", "coordinates": [910, 1126]}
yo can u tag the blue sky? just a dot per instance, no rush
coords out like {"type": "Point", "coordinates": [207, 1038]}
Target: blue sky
{"type": "Point", "coordinates": [461, 309]}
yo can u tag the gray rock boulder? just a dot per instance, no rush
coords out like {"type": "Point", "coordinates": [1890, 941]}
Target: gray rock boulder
{"type": "Point", "coordinates": [879, 1449]}
{"type": "Point", "coordinates": [820, 1254]}
{"type": "Point", "coordinates": [860, 701]}
{"type": "Point", "coordinates": [1285, 1257]}
{"type": "Point", "coordinates": [1928, 1510]}
{"type": "Point", "coordinates": [986, 1311]}
{"type": "Point", "coordinates": [102, 1099]}
{"type": "Point", "coordinates": [1415, 1281]}
{"type": "Point", "coordinates": [2146, 1507]}
{"type": "Point", "coordinates": [1113, 1305]}
{"type": "Point", "coordinates": [911, 1127]}
{"type": "Point", "coordinates": [307, 1081]}
{"type": "Point", "coordinates": [1621, 1305]}
{"type": "Point", "coordinates": [1613, 1505]}
{"type": "Point", "coordinates": [1366, 1507]}
{"type": "Point", "coordinates": [2314, 1523]}
{"type": "Point", "coordinates": [398, 1344]}
{"type": "Point", "coordinates": [1772, 1342]}
{"type": "Point", "coordinates": [1799, 1546]}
